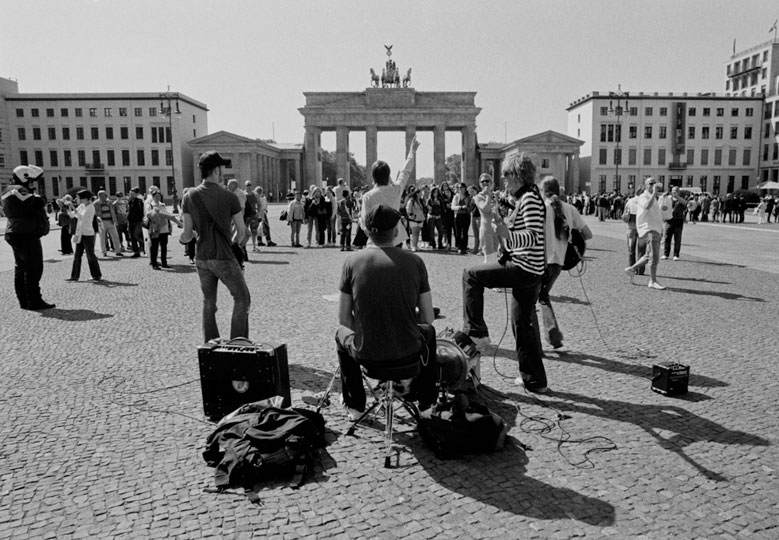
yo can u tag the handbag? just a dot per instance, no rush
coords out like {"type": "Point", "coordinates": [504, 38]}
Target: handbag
{"type": "Point", "coordinates": [283, 216]}
{"type": "Point", "coordinates": [574, 253]}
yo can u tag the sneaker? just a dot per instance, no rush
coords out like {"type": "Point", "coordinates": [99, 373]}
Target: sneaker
{"type": "Point", "coordinates": [119, 254]}
{"type": "Point", "coordinates": [655, 285]}
{"type": "Point", "coordinates": [71, 279]}
{"type": "Point", "coordinates": [37, 306]}
{"type": "Point", "coordinates": [255, 250]}
{"type": "Point", "coordinates": [664, 258]}
{"type": "Point", "coordinates": [260, 243]}
{"type": "Point", "coordinates": [676, 258]}
{"type": "Point", "coordinates": [538, 390]}
{"type": "Point", "coordinates": [353, 414]}
{"type": "Point", "coordinates": [271, 244]}
{"type": "Point", "coordinates": [630, 274]}
{"type": "Point", "coordinates": [481, 343]}
{"type": "Point", "coordinates": [135, 256]}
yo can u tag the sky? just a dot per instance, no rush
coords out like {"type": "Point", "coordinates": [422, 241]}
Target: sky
{"type": "Point", "coordinates": [251, 61]}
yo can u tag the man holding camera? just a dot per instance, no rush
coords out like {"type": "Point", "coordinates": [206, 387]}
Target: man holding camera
{"type": "Point", "coordinates": [649, 224]}
{"type": "Point", "coordinates": [209, 210]}
{"type": "Point", "coordinates": [27, 223]}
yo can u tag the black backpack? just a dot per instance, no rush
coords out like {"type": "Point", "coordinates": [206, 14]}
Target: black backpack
{"type": "Point", "coordinates": [574, 253]}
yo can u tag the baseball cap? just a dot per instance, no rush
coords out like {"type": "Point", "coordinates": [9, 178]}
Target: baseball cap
{"type": "Point", "coordinates": [382, 218]}
{"type": "Point", "coordinates": [25, 173]}
{"type": "Point", "coordinates": [212, 160]}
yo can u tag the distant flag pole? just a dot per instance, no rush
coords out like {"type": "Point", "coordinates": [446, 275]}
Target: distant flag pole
{"type": "Point", "coordinates": [773, 29]}
{"type": "Point", "coordinates": [734, 46]}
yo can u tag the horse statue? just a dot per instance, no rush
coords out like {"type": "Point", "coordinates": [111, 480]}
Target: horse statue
{"type": "Point", "coordinates": [374, 79]}
{"type": "Point", "coordinates": [407, 78]}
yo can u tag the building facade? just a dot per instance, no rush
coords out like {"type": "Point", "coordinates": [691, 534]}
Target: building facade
{"type": "Point", "coordinates": [700, 140]}
{"type": "Point", "coordinates": [110, 141]}
{"type": "Point", "coordinates": [755, 72]}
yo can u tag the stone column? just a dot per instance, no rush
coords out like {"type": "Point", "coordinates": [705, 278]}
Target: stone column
{"type": "Point", "coordinates": [559, 172]}
{"type": "Point", "coordinates": [411, 132]}
{"type": "Point", "coordinates": [439, 154]}
{"type": "Point", "coordinates": [468, 166]}
{"type": "Point", "coordinates": [575, 174]}
{"type": "Point", "coordinates": [371, 150]}
{"type": "Point", "coordinates": [298, 180]}
{"type": "Point", "coordinates": [313, 168]}
{"type": "Point", "coordinates": [342, 154]}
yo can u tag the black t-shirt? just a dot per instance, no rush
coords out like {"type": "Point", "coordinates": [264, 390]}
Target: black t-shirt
{"type": "Point", "coordinates": [213, 228]}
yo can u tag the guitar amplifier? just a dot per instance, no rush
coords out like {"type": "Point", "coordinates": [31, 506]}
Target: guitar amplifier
{"type": "Point", "coordinates": [239, 371]}
{"type": "Point", "coordinates": [670, 379]}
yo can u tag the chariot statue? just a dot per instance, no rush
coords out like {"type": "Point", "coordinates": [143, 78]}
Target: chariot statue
{"type": "Point", "coordinates": [390, 74]}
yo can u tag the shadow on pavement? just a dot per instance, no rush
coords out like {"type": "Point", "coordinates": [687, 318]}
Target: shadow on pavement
{"type": "Point", "coordinates": [181, 269]}
{"type": "Point", "coordinates": [309, 379]}
{"type": "Point", "coordinates": [701, 280]}
{"type": "Point", "coordinates": [74, 314]}
{"type": "Point", "coordinates": [267, 262]}
{"type": "Point", "coordinates": [498, 479]}
{"type": "Point", "coordinates": [568, 300]}
{"type": "Point", "coordinates": [687, 428]}
{"type": "Point", "coordinates": [724, 295]}
{"type": "Point", "coordinates": [712, 263]}
{"type": "Point", "coordinates": [601, 249]}
{"type": "Point", "coordinates": [111, 284]}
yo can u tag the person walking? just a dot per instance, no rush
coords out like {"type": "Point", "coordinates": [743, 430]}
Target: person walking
{"type": "Point", "coordinates": [84, 237]}
{"type": "Point", "coordinates": [649, 223]}
{"type": "Point", "coordinates": [485, 202]}
{"type": "Point", "coordinates": [674, 225]}
{"type": "Point", "coordinates": [159, 231]}
{"type": "Point", "coordinates": [106, 214]}
{"type": "Point", "coordinates": [462, 218]}
{"type": "Point", "coordinates": [135, 215]}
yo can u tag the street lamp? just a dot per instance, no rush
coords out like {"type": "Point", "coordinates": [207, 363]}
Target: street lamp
{"type": "Point", "coordinates": [620, 97]}
{"type": "Point", "coordinates": [168, 97]}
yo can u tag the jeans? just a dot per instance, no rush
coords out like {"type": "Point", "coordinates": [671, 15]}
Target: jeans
{"type": "Point", "coordinates": [673, 230]}
{"type": "Point", "coordinates": [28, 267]}
{"type": "Point", "coordinates": [353, 391]}
{"type": "Point", "coordinates": [294, 232]}
{"type": "Point", "coordinates": [159, 244]}
{"type": "Point", "coordinates": [524, 291]}
{"type": "Point", "coordinates": [462, 222]}
{"type": "Point", "coordinates": [211, 272]}
{"type": "Point", "coordinates": [66, 247]}
{"type": "Point", "coordinates": [346, 233]}
{"type": "Point", "coordinates": [553, 334]}
{"type": "Point", "coordinates": [108, 228]}
{"type": "Point", "coordinates": [86, 246]}
{"type": "Point", "coordinates": [436, 224]}
{"type": "Point", "coordinates": [136, 237]}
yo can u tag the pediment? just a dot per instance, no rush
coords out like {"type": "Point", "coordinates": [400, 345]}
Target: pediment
{"type": "Point", "coordinates": [549, 137]}
{"type": "Point", "coordinates": [221, 138]}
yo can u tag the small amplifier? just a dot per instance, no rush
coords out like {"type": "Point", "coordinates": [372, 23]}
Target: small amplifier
{"type": "Point", "coordinates": [670, 378]}
{"type": "Point", "coordinates": [239, 371]}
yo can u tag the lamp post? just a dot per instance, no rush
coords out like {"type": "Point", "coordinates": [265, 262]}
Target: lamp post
{"type": "Point", "coordinates": [168, 97]}
{"type": "Point", "coordinates": [619, 96]}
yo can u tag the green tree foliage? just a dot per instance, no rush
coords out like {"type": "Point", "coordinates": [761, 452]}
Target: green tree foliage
{"type": "Point", "coordinates": [330, 170]}
{"type": "Point", "coordinates": [453, 167]}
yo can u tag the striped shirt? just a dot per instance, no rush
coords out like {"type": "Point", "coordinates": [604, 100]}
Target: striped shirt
{"type": "Point", "coordinates": [526, 233]}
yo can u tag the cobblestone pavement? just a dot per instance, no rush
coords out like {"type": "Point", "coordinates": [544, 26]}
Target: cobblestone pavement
{"type": "Point", "coordinates": [101, 415]}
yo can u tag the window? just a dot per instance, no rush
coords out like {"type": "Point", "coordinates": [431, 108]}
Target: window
{"type": "Point", "coordinates": [704, 181]}
{"type": "Point", "coordinates": [747, 156]}
{"type": "Point", "coordinates": [81, 158]}
{"type": "Point", "coordinates": [141, 158]}
{"type": "Point", "coordinates": [604, 111]}
{"type": "Point", "coordinates": [765, 152]}
{"type": "Point", "coordinates": [109, 133]}
{"type": "Point", "coordinates": [705, 156]}
{"type": "Point", "coordinates": [647, 132]}
{"type": "Point", "coordinates": [648, 111]}
{"type": "Point", "coordinates": [734, 111]}
{"type": "Point", "coordinates": [734, 132]}
{"type": "Point", "coordinates": [79, 133]}
{"type": "Point", "coordinates": [79, 112]}
{"type": "Point", "coordinates": [20, 114]}
{"type": "Point", "coordinates": [122, 111]}
{"type": "Point", "coordinates": [631, 156]}
{"type": "Point", "coordinates": [171, 185]}
{"type": "Point", "coordinates": [715, 185]}
{"type": "Point", "coordinates": [690, 156]}
{"type": "Point", "coordinates": [169, 157]}
{"type": "Point", "coordinates": [49, 113]}
{"type": "Point", "coordinates": [691, 111]}
{"type": "Point", "coordinates": [194, 133]}
{"type": "Point", "coordinates": [142, 183]}
{"type": "Point", "coordinates": [633, 132]}
{"type": "Point", "coordinates": [690, 180]}
{"type": "Point", "coordinates": [718, 132]}
{"type": "Point", "coordinates": [39, 158]}
{"type": "Point", "coordinates": [661, 156]}
{"type": "Point", "coordinates": [705, 132]}
{"type": "Point", "coordinates": [155, 157]}
{"type": "Point", "coordinates": [95, 133]}
{"type": "Point", "coordinates": [194, 119]}
{"type": "Point", "coordinates": [603, 159]}
{"type": "Point", "coordinates": [718, 156]}
{"type": "Point", "coordinates": [95, 158]}
{"type": "Point", "coordinates": [64, 113]}
{"type": "Point", "coordinates": [602, 134]}
{"type": "Point", "coordinates": [67, 158]}
{"type": "Point", "coordinates": [34, 113]}
{"type": "Point", "coordinates": [767, 130]}
{"type": "Point", "coordinates": [93, 111]}
{"type": "Point", "coordinates": [617, 156]}
{"type": "Point", "coordinates": [663, 111]}
{"type": "Point", "coordinates": [1, 135]}
{"type": "Point", "coordinates": [749, 111]}
{"type": "Point", "coordinates": [720, 111]}
{"type": "Point", "coordinates": [731, 156]}
{"type": "Point", "coordinates": [23, 157]}
{"type": "Point", "coordinates": [155, 180]}
{"type": "Point", "coordinates": [634, 111]}
{"type": "Point", "coordinates": [776, 151]}
{"type": "Point", "coordinates": [52, 134]}
{"type": "Point", "coordinates": [139, 132]}
{"type": "Point", "coordinates": [53, 158]}
{"type": "Point", "coordinates": [691, 132]}
{"type": "Point", "coordinates": [2, 160]}
{"type": "Point", "coordinates": [110, 158]}
{"type": "Point", "coordinates": [647, 156]}
{"type": "Point", "coordinates": [107, 111]}
{"type": "Point", "coordinates": [66, 133]}
{"type": "Point", "coordinates": [745, 182]}
{"type": "Point", "coordinates": [36, 134]}
{"type": "Point", "coordinates": [125, 158]}
{"type": "Point", "coordinates": [602, 182]}
{"type": "Point", "coordinates": [544, 163]}
{"type": "Point", "coordinates": [22, 135]}
{"type": "Point", "coordinates": [610, 133]}
{"type": "Point", "coordinates": [706, 111]}
{"type": "Point", "coordinates": [112, 184]}
{"type": "Point", "coordinates": [124, 133]}
{"type": "Point", "coordinates": [152, 111]}
{"type": "Point", "coordinates": [68, 182]}
{"type": "Point", "coordinates": [138, 111]}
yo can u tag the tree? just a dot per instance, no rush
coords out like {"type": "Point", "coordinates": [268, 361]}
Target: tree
{"type": "Point", "coordinates": [330, 169]}
{"type": "Point", "coordinates": [453, 167]}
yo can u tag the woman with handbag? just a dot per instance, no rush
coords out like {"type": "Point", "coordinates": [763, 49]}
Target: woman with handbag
{"type": "Point", "coordinates": [84, 237]}
{"type": "Point", "coordinates": [159, 230]}
{"type": "Point", "coordinates": [66, 223]}
{"type": "Point", "coordinates": [415, 212]}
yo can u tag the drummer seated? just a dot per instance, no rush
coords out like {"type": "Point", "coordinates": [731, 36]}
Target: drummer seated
{"type": "Point", "coordinates": [385, 313]}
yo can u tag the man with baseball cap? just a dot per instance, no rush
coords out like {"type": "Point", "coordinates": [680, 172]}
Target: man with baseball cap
{"type": "Point", "coordinates": [210, 210]}
{"type": "Point", "coordinates": [385, 312]}
{"type": "Point", "coordinates": [27, 223]}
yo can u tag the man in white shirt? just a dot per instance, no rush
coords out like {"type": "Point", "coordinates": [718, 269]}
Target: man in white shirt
{"type": "Point", "coordinates": [649, 224]}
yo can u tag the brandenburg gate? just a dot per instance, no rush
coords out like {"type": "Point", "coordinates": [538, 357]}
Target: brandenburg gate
{"type": "Point", "coordinates": [390, 104]}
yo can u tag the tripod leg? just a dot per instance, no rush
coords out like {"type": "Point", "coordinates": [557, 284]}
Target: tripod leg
{"type": "Point", "coordinates": [325, 400]}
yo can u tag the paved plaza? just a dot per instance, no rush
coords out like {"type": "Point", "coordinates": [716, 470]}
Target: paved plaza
{"type": "Point", "coordinates": [102, 427]}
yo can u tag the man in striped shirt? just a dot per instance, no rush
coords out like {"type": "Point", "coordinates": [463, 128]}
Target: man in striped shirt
{"type": "Point", "coordinates": [522, 239]}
